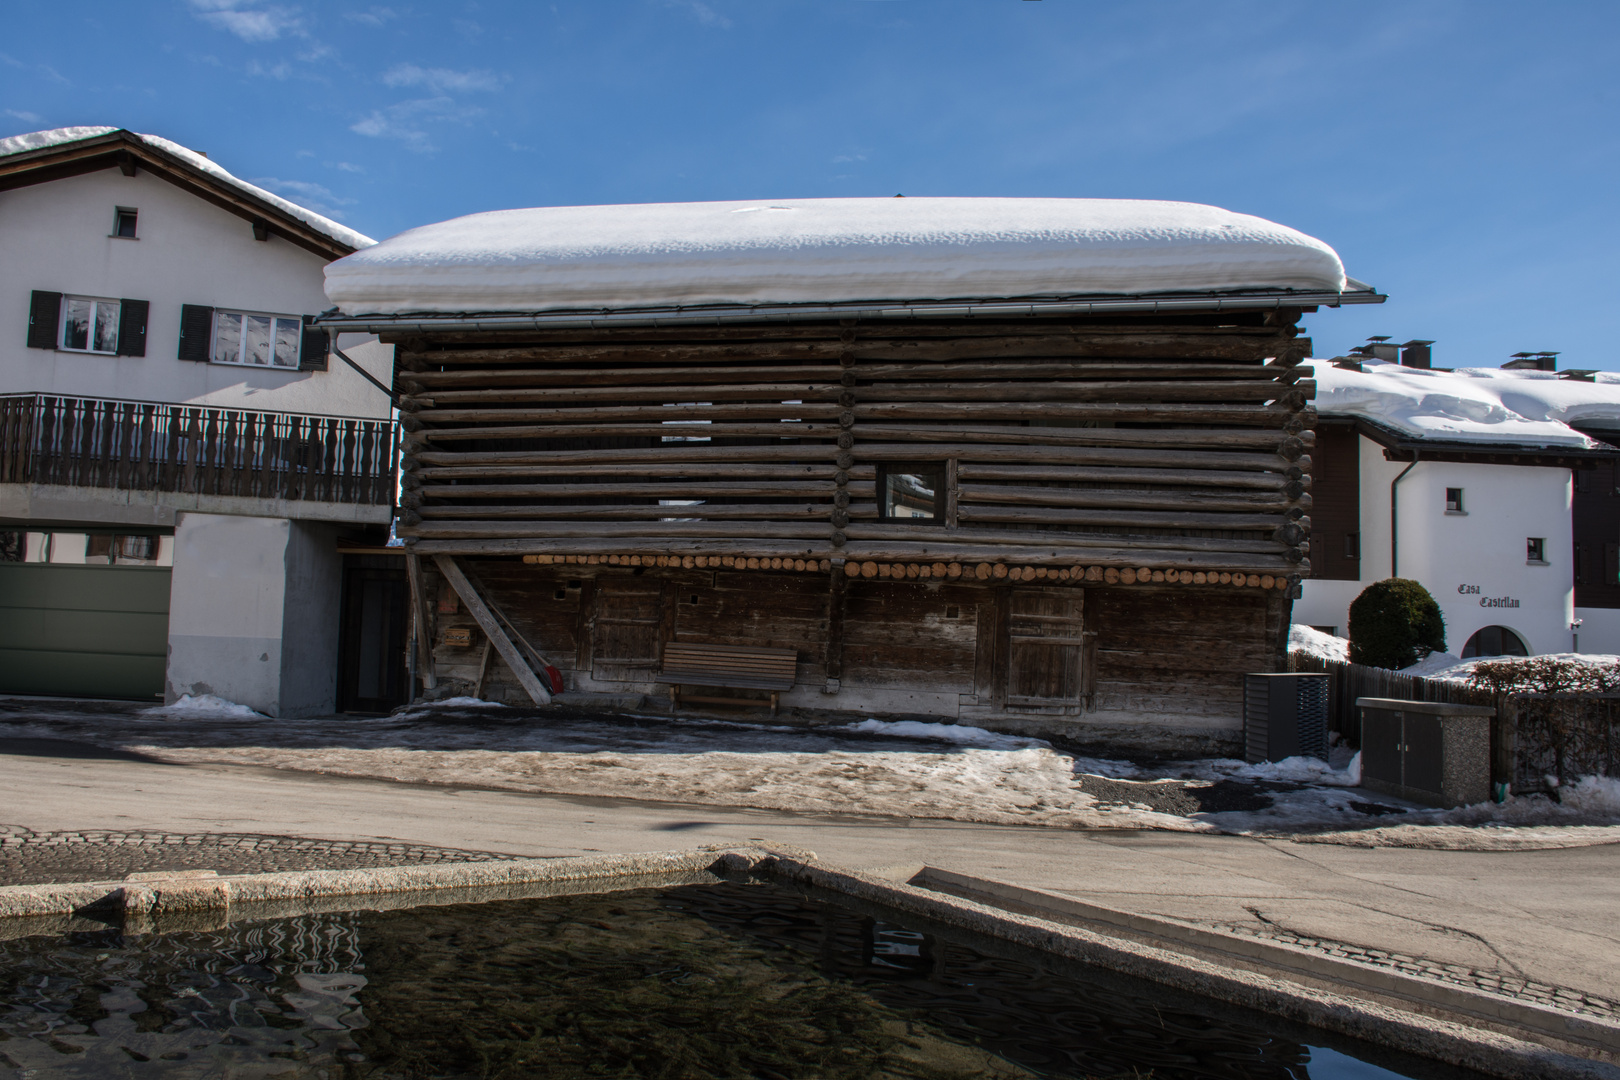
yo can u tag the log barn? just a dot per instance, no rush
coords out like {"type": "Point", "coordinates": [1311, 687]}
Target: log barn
{"type": "Point", "coordinates": [1038, 465]}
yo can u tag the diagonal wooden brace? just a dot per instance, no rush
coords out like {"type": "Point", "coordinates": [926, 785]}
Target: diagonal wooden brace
{"type": "Point", "coordinates": [450, 567]}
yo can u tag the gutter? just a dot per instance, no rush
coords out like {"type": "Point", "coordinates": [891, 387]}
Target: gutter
{"type": "Point", "coordinates": [745, 313]}
{"type": "Point", "coordinates": [1395, 518]}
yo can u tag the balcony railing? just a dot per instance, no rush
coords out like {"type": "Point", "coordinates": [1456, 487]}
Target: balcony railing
{"type": "Point", "coordinates": [196, 449]}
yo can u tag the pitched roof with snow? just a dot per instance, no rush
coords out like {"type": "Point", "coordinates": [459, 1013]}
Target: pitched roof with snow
{"type": "Point", "coordinates": [1471, 405]}
{"type": "Point", "coordinates": [800, 251]}
{"type": "Point", "coordinates": [41, 155]}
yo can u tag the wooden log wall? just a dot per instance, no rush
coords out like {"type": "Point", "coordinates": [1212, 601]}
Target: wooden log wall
{"type": "Point", "coordinates": [1170, 445]}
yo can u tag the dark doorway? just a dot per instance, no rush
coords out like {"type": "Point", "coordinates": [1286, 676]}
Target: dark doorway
{"type": "Point", "coordinates": [372, 676]}
{"type": "Point", "coordinates": [1494, 641]}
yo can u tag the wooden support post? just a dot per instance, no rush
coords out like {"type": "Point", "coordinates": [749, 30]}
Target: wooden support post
{"type": "Point", "coordinates": [483, 670]}
{"type": "Point", "coordinates": [450, 567]}
{"type": "Point", "coordinates": [835, 630]}
{"type": "Point", "coordinates": [422, 628]}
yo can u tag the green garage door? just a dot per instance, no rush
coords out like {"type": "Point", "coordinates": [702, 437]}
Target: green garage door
{"type": "Point", "coordinates": [85, 631]}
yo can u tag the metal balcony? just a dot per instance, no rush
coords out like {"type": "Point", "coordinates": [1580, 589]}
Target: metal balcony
{"type": "Point", "coordinates": [196, 449]}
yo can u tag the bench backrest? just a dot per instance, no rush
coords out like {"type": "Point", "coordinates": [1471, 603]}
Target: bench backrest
{"type": "Point", "coordinates": [730, 665]}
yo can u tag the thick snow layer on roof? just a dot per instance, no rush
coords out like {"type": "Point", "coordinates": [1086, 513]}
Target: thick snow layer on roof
{"type": "Point", "coordinates": [1488, 405]}
{"type": "Point", "coordinates": [823, 251]}
{"type": "Point", "coordinates": [39, 140]}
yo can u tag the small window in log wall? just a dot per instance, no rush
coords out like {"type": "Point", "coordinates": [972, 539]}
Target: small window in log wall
{"type": "Point", "coordinates": [912, 491]}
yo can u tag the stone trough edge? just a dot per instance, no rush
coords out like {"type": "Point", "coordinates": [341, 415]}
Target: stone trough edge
{"type": "Point", "coordinates": [1485, 1051]}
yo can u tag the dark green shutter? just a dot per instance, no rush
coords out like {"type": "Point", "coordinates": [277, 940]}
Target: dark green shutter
{"type": "Point", "coordinates": [313, 351]}
{"type": "Point", "coordinates": [196, 330]}
{"type": "Point", "coordinates": [132, 327]}
{"type": "Point", "coordinates": [44, 315]}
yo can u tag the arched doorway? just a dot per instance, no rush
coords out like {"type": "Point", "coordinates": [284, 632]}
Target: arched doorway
{"type": "Point", "coordinates": [1494, 641]}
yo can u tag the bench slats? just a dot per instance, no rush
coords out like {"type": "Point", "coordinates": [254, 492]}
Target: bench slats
{"type": "Point", "coordinates": [737, 666]}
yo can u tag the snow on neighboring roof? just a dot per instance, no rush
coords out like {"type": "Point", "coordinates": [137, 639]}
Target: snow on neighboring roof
{"type": "Point", "coordinates": [40, 140]}
{"type": "Point", "coordinates": [824, 251]}
{"type": "Point", "coordinates": [1485, 405]}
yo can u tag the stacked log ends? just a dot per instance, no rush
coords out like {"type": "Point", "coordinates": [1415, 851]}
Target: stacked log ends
{"type": "Point", "coordinates": [938, 571]}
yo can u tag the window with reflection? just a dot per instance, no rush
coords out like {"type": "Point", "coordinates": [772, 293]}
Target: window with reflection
{"type": "Point", "coordinates": [89, 325]}
{"type": "Point", "coordinates": [911, 492]}
{"type": "Point", "coordinates": [256, 340]}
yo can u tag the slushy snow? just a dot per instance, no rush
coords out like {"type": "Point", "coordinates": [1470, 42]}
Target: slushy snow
{"type": "Point", "coordinates": [824, 251]}
{"type": "Point", "coordinates": [204, 707]}
{"type": "Point", "coordinates": [39, 140]}
{"type": "Point", "coordinates": [1530, 408]}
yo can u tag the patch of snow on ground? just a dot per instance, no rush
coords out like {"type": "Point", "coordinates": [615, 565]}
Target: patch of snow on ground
{"type": "Point", "coordinates": [204, 706]}
{"type": "Point", "coordinates": [1298, 770]}
{"type": "Point", "coordinates": [1303, 639]}
{"type": "Point", "coordinates": [959, 734]}
{"type": "Point", "coordinates": [463, 702]}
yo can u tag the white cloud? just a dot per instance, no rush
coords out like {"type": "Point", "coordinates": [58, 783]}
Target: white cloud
{"type": "Point", "coordinates": [346, 166]}
{"type": "Point", "coordinates": [312, 196]}
{"type": "Point", "coordinates": [247, 21]}
{"type": "Point", "coordinates": [441, 80]}
{"type": "Point", "coordinates": [402, 121]}
{"type": "Point", "coordinates": [702, 12]}
{"type": "Point", "coordinates": [25, 116]}
{"type": "Point", "coordinates": [374, 16]}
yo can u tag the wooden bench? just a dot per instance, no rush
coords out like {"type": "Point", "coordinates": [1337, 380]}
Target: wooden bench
{"type": "Point", "coordinates": [736, 667]}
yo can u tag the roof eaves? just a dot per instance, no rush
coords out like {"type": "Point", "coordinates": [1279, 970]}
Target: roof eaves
{"type": "Point", "coordinates": [1404, 443]}
{"type": "Point", "coordinates": [47, 163]}
{"type": "Point", "coordinates": [715, 314]}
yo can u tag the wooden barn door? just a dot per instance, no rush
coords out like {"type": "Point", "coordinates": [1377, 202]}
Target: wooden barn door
{"type": "Point", "coordinates": [626, 635]}
{"type": "Point", "coordinates": [1044, 648]}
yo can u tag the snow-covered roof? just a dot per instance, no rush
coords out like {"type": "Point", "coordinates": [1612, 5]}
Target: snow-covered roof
{"type": "Point", "coordinates": [824, 251]}
{"type": "Point", "coordinates": [1471, 405]}
{"type": "Point", "coordinates": [42, 140]}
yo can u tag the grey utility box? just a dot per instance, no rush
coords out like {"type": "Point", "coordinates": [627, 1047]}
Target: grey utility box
{"type": "Point", "coordinates": [1426, 751]}
{"type": "Point", "coordinates": [1285, 716]}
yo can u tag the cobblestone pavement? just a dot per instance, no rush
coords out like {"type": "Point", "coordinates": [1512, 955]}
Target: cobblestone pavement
{"type": "Point", "coordinates": [1490, 982]}
{"type": "Point", "coordinates": [50, 858]}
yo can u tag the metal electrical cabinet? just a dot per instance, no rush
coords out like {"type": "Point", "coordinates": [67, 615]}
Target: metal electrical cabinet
{"type": "Point", "coordinates": [1426, 751]}
{"type": "Point", "coordinates": [1284, 716]}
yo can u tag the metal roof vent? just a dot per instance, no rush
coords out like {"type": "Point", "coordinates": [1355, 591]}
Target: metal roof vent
{"type": "Point", "coordinates": [1378, 347]}
{"type": "Point", "coordinates": [1532, 361]}
{"type": "Point", "coordinates": [1416, 354]}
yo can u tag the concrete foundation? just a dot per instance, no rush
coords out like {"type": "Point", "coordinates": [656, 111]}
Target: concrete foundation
{"type": "Point", "coordinates": [253, 613]}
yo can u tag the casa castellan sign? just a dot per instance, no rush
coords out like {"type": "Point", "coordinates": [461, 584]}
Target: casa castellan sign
{"type": "Point", "coordinates": [1487, 601]}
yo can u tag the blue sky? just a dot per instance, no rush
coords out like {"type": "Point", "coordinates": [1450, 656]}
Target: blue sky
{"type": "Point", "coordinates": [1460, 156]}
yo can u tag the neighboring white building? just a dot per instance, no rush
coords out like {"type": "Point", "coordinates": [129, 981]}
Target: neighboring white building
{"type": "Point", "coordinates": [1466, 481]}
{"type": "Point", "coordinates": [166, 411]}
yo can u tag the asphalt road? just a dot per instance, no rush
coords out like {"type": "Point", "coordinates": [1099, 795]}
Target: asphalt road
{"type": "Point", "coordinates": [1542, 916]}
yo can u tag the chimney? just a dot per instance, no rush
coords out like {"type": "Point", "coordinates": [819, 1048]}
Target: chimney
{"type": "Point", "coordinates": [1532, 361]}
{"type": "Point", "coordinates": [1416, 354]}
{"type": "Point", "coordinates": [1379, 348]}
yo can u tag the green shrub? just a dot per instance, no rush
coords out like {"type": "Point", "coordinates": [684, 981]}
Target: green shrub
{"type": "Point", "coordinates": [1394, 623]}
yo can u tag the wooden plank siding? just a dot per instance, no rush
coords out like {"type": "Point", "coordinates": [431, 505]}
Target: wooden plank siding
{"type": "Point", "coordinates": [1125, 516]}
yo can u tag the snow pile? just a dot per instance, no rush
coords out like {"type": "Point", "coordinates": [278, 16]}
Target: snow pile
{"type": "Point", "coordinates": [824, 251]}
{"type": "Point", "coordinates": [1532, 408]}
{"type": "Point", "coordinates": [39, 140]}
{"type": "Point", "coordinates": [1314, 643]}
{"type": "Point", "coordinates": [957, 734]}
{"type": "Point", "coordinates": [1455, 669]}
{"type": "Point", "coordinates": [204, 707]}
{"type": "Point", "coordinates": [1298, 770]}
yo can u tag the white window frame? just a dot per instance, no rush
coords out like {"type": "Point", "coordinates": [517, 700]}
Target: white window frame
{"type": "Point", "coordinates": [95, 303]}
{"type": "Point", "coordinates": [242, 344]}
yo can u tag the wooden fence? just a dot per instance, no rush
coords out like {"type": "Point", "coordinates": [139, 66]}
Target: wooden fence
{"type": "Point", "coordinates": [1538, 741]}
{"type": "Point", "coordinates": [149, 446]}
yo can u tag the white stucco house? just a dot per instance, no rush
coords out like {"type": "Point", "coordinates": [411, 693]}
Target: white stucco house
{"type": "Point", "coordinates": [1493, 487]}
{"type": "Point", "coordinates": [183, 459]}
